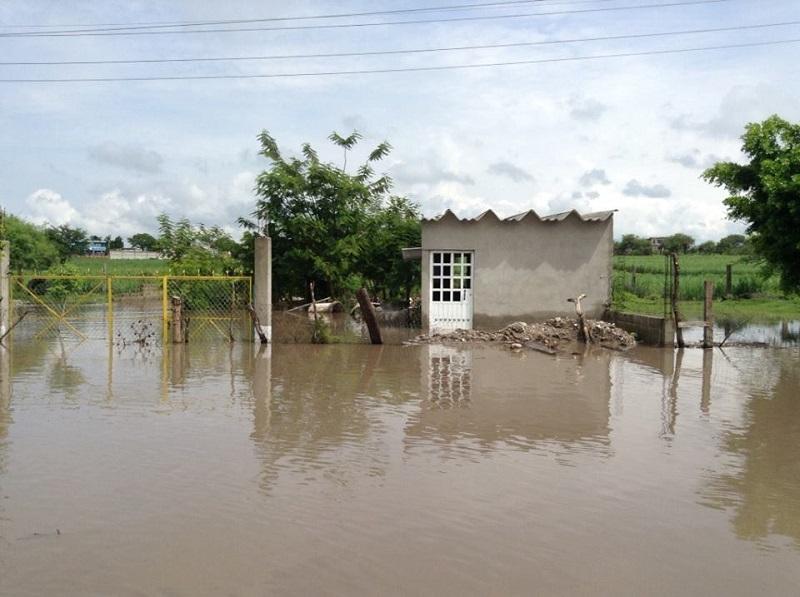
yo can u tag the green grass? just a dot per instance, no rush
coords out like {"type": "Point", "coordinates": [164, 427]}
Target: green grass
{"type": "Point", "coordinates": [643, 276]}
{"type": "Point", "coordinates": [119, 267]}
{"type": "Point", "coordinates": [638, 287]}
{"type": "Point", "coordinates": [765, 310]}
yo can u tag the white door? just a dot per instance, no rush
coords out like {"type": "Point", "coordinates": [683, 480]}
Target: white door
{"type": "Point", "coordinates": [451, 290]}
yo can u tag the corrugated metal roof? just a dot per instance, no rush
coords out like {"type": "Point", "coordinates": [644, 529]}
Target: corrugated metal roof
{"type": "Point", "coordinates": [597, 216]}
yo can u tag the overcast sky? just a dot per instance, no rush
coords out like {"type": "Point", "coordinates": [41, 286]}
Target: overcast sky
{"type": "Point", "coordinates": [631, 134]}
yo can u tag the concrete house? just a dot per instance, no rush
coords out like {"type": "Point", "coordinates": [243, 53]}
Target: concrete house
{"type": "Point", "coordinates": [487, 272]}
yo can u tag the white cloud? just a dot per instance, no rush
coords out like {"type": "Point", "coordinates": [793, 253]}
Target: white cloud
{"type": "Point", "coordinates": [634, 188]}
{"type": "Point", "coordinates": [47, 207]}
{"type": "Point", "coordinates": [654, 119]}
{"type": "Point", "coordinates": [594, 177]}
{"type": "Point", "coordinates": [127, 157]}
{"type": "Point", "coordinates": [694, 159]}
{"type": "Point", "coordinates": [586, 109]}
{"type": "Point", "coordinates": [512, 171]}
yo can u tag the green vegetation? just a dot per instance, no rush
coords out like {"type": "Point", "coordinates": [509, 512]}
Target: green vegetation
{"type": "Point", "coordinates": [643, 276]}
{"type": "Point", "coordinates": [763, 310]}
{"type": "Point", "coordinates": [765, 193]}
{"type": "Point", "coordinates": [733, 244]}
{"type": "Point", "coordinates": [197, 249]}
{"type": "Point", "coordinates": [338, 230]}
{"type": "Point", "coordinates": [144, 241]}
{"type": "Point", "coordinates": [639, 287]}
{"type": "Point", "coordinates": [119, 267]}
{"type": "Point", "coordinates": [30, 247]}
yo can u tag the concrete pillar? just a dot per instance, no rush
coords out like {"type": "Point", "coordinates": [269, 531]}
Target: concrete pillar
{"type": "Point", "coordinates": [5, 287]}
{"type": "Point", "coordinates": [262, 278]}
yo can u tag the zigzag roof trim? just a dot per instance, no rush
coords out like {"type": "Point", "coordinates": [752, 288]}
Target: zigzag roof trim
{"type": "Point", "coordinates": [597, 216]}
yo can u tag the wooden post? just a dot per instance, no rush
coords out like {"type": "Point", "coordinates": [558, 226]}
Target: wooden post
{"type": "Point", "coordinates": [728, 281]}
{"type": "Point", "coordinates": [257, 325]}
{"type": "Point", "coordinates": [708, 316]}
{"type": "Point", "coordinates": [369, 316]}
{"type": "Point", "coordinates": [313, 301]}
{"type": "Point", "coordinates": [583, 332]}
{"type": "Point", "coordinates": [676, 314]}
{"type": "Point", "coordinates": [178, 332]}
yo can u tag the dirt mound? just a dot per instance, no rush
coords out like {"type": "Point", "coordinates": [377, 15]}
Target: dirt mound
{"type": "Point", "coordinates": [549, 336]}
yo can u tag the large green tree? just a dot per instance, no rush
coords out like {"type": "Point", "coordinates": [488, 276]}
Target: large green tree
{"type": "Point", "coordinates": [765, 194]}
{"type": "Point", "coordinates": [143, 241]}
{"type": "Point", "coordinates": [337, 229]}
{"type": "Point", "coordinates": [678, 243]}
{"type": "Point", "coordinates": [733, 244]}
{"type": "Point", "coordinates": [31, 249]}
{"type": "Point", "coordinates": [632, 245]}
{"type": "Point", "coordinates": [69, 241]}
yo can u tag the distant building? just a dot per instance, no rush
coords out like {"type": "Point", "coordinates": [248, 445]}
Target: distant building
{"type": "Point", "coordinates": [492, 272]}
{"type": "Point", "coordinates": [97, 248]}
{"type": "Point", "coordinates": [133, 253]}
{"type": "Point", "coordinates": [657, 243]}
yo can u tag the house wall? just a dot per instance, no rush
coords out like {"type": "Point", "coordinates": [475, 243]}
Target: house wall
{"type": "Point", "coordinates": [526, 270]}
{"type": "Point", "coordinates": [129, 254]}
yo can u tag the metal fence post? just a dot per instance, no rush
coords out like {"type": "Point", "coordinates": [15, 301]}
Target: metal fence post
{"type": "Point", "coordinates": [164, 309]}
{"type": "Point", "coordinates": [5, 287]}
{"type": "Point", "coordinates": [110, 307]}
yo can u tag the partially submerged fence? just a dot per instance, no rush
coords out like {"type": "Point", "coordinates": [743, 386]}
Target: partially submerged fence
{"type": "Point", "coordinates": [128, 309]}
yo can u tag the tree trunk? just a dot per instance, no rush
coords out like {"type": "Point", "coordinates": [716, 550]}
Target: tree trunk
{"type": "Point", "coordinates": [369, 316]}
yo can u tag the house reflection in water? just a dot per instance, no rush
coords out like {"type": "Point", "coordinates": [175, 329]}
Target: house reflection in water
{"type": "Point", "coordinates": [541, 401]}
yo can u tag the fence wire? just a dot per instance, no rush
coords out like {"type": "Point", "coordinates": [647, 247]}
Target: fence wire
{"type": "Point", "coordinates": [128, 309]}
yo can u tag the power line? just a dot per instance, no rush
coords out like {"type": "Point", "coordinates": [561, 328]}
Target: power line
{"type": "Point", "coordinates": [403, 69]}
{"type": "Point", "coordinates": [78, 33]}
{"type": "Point", "coordinates": [451, 7]}
{"type": "Point", "coordinates": [409, 51]}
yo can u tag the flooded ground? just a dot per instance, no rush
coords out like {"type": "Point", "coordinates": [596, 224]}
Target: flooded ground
{"type": "Point", "coordinates": [360, 470]}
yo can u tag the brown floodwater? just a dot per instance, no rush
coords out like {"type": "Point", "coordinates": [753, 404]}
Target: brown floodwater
{"type": "Point", "coordinates": [360, 470]}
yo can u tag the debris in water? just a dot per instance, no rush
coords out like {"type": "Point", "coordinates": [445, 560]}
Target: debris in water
{"type": "Point", "coordinates": [549, 336]}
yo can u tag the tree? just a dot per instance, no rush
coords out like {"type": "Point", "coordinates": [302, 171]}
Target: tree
{"type": "Point", "coordinates": [196, 249]}
{"type": "Point", "coordinates": [765, 194]}
{"type": "Point", "coordinates": [143, 241]}
{"type": "Point", "coordinates": [678, 243]}
{"type": "Point", "coordinates": [68, 241]}
{"type": "Point", "coordinates": [388, 231]}
{"type": "Point", "coordinates": [733, 244]}
{"type": "Point", "coordinates": [324, 221]}
{"type": "Point", "coordinates": [116, 243]}
{"type": "Point", "coordinates": [31, 249]}
{"type": "Point", "coordinates": [707, 248]}
{"type": "Point", "coordinates": [632, 245]}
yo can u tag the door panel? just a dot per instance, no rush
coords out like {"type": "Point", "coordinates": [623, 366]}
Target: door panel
{"type": "Point", "coordinates": [451, 290]}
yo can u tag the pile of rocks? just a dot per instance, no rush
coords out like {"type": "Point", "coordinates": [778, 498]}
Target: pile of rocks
{"type": "Point", "coordinates": [549, 336]}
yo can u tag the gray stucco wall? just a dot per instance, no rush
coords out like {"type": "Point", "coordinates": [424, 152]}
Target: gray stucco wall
{"type": "Point", "coordinates": [526, 270]}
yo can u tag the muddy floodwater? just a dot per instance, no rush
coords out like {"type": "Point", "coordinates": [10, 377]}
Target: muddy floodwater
{"type": "Point", "coordinates": [423, 470]}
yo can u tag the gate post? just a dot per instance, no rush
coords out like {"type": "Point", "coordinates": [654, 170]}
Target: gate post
{"type": "Point", "coordinates": [262, 274]}
{"type": "Point", "coordinates": [5, 287]}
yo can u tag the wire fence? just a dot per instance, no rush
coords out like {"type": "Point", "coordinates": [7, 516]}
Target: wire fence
{"type": "Point", "coordinates": [129, 309]}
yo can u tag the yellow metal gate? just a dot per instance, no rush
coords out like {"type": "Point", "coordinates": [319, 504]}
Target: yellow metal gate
{"type": "Point", "coordinates": [130, 308]}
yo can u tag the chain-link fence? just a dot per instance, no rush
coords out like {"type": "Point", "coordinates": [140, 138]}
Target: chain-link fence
{"type": "Point", "coordinates": [128, 309]}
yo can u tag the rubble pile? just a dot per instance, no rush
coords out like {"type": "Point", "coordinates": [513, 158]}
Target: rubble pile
{"type": "Point", "coordinates": [548, 336]}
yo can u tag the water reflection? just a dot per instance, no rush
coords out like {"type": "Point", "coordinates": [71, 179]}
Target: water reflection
{"type": "Point", "coordinates": [381, 467]}
{"type": "Point", "coordinates": [5, 405]}
{"type": "Point", "coordinates": [761, 486]}
{"type": "Point", "coordinates": [520, 400]}
{"type": "Point", "coordinates": [318, 408]}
